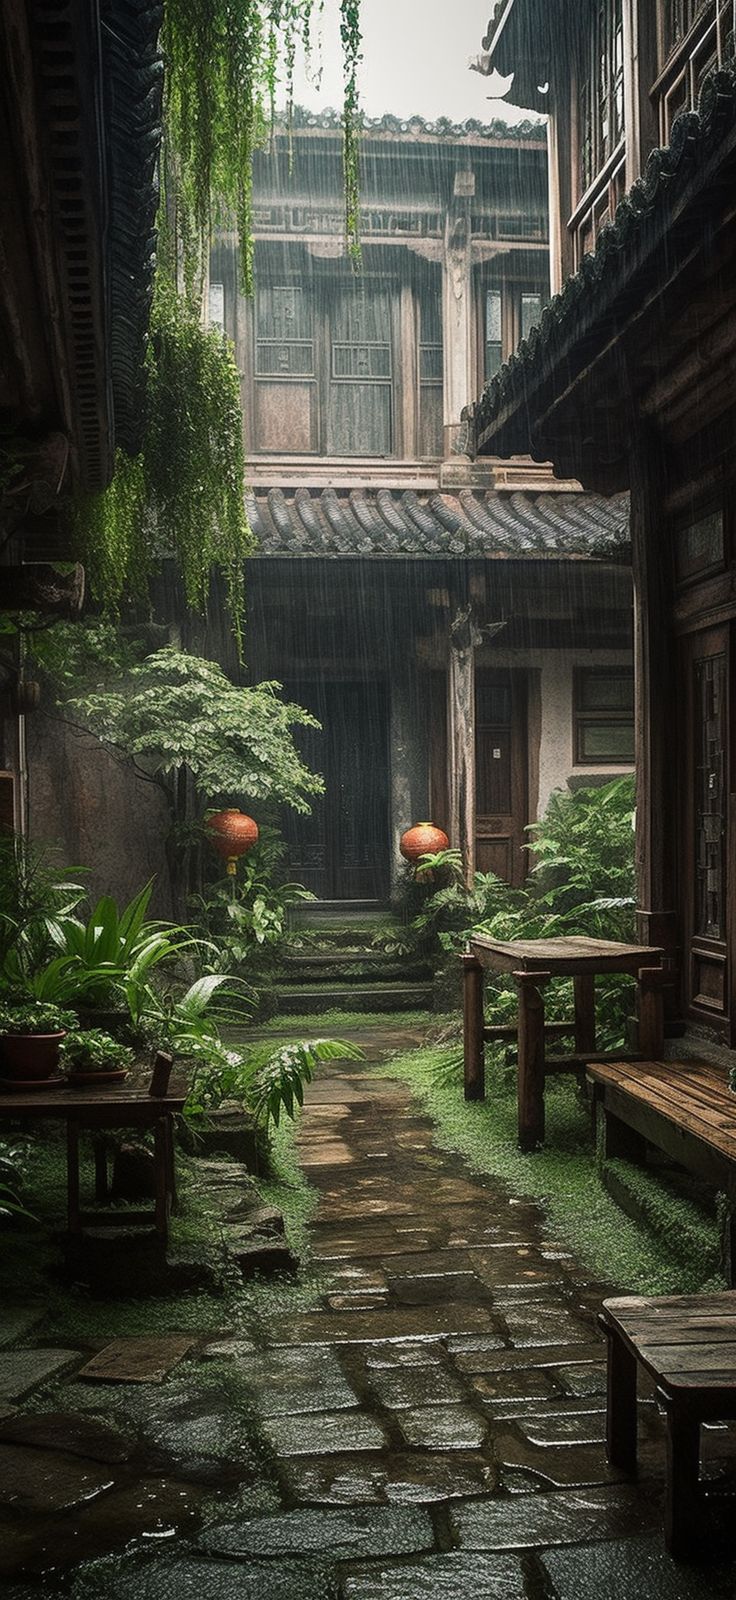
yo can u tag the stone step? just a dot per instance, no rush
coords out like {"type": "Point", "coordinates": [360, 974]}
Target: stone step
{"type": "Point", "coordinates": [293, 999]}
{"type": "Point", "coordinates": [306, 911]}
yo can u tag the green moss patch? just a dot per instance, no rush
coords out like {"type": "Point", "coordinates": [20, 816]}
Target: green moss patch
{"type": "Point", "coordinates": [564, 1176]}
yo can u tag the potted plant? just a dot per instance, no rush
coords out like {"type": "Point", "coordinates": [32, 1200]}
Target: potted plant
{"type": "Point", "coordinates": [31, 1032]}
{"type": "Point", "coordinates": [93, 1057]}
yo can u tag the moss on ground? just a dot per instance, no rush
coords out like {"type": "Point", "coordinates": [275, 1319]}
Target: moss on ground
{"type": "Point", "coordinates": [225, 1305]}
{"type": "Point", "coordinates": [331, 1023]}
{"type": "Point", "coordinates": [563, 1176]}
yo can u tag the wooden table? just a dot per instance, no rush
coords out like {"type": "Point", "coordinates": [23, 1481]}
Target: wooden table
{"type": "Point", "coordinates": [532, 962]}
{"type": "Point", "coordinates": [99, 1111]}
{"type": "Point", "coordinates": [687, 1344]}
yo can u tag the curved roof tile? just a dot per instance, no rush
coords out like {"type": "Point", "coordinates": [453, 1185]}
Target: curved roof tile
{"type": "Point", "coordinates": [392, 523]}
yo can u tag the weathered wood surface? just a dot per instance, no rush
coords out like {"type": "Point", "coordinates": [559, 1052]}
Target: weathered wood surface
{"type": "Point", "coordinates": [692, 1095]}
{"type": "Point", "coordinates": [89, 1104]}
{"type": "Point", "coordinates": [137, 1360]}
{"type": "Point", "coordinates": [569, 957]}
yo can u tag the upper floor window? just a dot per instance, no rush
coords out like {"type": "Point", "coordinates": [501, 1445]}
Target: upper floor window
{"type": "Point", "coordinates": [600, 89]}
{"type": "Point", "coordinates": [509, 312]}
{"type": "Point", "coordinates": [694, 37]}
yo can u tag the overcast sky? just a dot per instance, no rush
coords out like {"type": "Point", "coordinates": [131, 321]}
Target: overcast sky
{"type": "Point", "coordinates": [415, 60]}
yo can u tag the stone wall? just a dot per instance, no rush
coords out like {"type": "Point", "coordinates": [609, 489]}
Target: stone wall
{"type": "Point", "coordinates": [90, 805]}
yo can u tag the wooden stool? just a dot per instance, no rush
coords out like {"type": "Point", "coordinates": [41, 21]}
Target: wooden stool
{"type": "Point", "coordinates": [687, 1344]}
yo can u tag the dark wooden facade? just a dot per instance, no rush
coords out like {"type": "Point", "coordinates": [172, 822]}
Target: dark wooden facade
{"type": "Point", "coordinates": [629, 382]}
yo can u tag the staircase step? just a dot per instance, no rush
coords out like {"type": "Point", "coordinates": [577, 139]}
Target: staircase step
{"type": "Point", "coordinates": [338, 911]}
{"type": "Point", "coordinates": [297, 998]}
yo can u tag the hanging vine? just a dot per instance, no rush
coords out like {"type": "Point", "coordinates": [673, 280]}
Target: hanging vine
{"type": "Point", "coordinates": [351, 41]}
{"type": "Point", "coordinates": [222, 63]}
{"type": "Point", "coordinates": [183, 496]}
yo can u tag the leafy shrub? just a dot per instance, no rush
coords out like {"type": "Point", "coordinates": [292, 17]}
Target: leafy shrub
{"type": "Point", "coordinates": [32, 1016]}
{"type": "Point", "coordinates": [91, 1050]}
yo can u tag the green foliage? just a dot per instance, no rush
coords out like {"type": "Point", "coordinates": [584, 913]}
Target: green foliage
{"type": "Point", "coordinates": [91, 1050]}
{"type": "Point", "coordinates": [33, 894]}
{"type": "Point", "coordinates": [180, 711]}
{"type": "Point", "coordinates": [266, 1081]}
{"type": "Point", "coordinates": [245, 918]}
{"type": "Point", "coordinates": [222, 66]}
{"type": "Point", "coordinates": [563, 1176]}
{"type": "Point", "coordinates": [92, 651]}
{"type": "Point", "coordinates": [112, 956]}
{"type": "Point", "coordinates": [184, 495]}
{"type": "Point", "coordinates": [34, 1016]}
{"type": "Point", "coordinates": [581, 882]}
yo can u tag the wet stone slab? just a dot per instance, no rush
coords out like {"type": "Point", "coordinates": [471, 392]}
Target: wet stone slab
{"type": "Point", "coordinates": [452, 1427]}
{"type": "Point", "coordinates": [414, 1386]}
{"type": "Point", "coordinates": [296, 1381]}
{"type": "Point", "coordinates": [497, 1389]}
{"type": "Point", "coordinates": [634, 1568]}
{"type": "Point", "coordinates": [348, 1534]}
{"type": "Point", "coordinates": [562, 1466]}
{"type": "Point", "coordinates": [482, 1355]}
{"type": "Point", "coordinates": [558, 1517]}
{"type": "Point", "coordinates": [16, 1322]}
{"type": "Point", "coordinates": [560, 1428]}
{"type": "Point", "coordinates": [323, 1432]}
{"type": "Point", "coordinates": [369, 1327]}
{"type": "Point", "coordinates": [63, 1430]}
{"type": "Point", "coordinates": [542, 1325]}
{"type": "Point", "coordinates": [43, 1481]}
{"type": "Point", "coordinates": [404, 1354]}
{"type": "Point", "coordinates": [202, 1579]}
{"type": "Point", "coordinates": [419, 1478]}
{"type": "Point", "coordinates": [445, 1577]}
{"type": "Point", "coordinates": [148, 1507]}
{"type": "Point", "coordinates": [427, 1288]}
{"type": "Point", "coordinates": [21, 1371]}
{"type": "Point", "coordinates": [583, 1381]}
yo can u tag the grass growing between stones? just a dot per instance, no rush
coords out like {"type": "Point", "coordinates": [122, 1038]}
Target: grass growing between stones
{"type": "Point", "coordinates": [564, 1177]}
{"type": "Point", "coordinates": [332, 1023]}
{"type": "Point", "coordinates": [221, 1303]}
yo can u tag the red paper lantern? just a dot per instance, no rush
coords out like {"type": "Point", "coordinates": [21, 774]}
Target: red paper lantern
{"type": "Point", "coordinates": [424, 839]}
{"type": "Point", "coordinates": [232, 834]}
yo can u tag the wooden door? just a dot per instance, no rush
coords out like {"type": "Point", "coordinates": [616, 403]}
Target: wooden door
{"type": "Point", "coordinates": [341, 851]}
{"type": "Point", "coordinates": [501, 774]}
{"type": "Point", "coordinates": [704, 848]}
{"type": "Point", "coordinates": [359, 413]}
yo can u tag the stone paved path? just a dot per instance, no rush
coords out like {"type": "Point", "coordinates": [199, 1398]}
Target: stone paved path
{"type": "Point", "coordinates": [433, 1421]}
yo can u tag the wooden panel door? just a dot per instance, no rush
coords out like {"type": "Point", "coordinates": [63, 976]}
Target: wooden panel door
{"type": "Point", "coordinates": [341, 851]}
{"type": "Point", "coordinates": [501, 774]}
{"type": "Point", "coordinates": [705, 801]}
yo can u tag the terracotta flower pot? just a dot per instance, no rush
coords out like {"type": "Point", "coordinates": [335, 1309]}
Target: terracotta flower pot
{"type": "Point", "coordinates": [31, 1055]}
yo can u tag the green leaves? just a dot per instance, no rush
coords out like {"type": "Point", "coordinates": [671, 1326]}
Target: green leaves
{"type": "Point", "coordinates": [182, 711]}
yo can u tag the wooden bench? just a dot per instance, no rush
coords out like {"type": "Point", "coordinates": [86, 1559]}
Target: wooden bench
{"type": "Point", "coordinates": [684, 1108]}
{"type": "Point", "coordinates": [687, 1344]}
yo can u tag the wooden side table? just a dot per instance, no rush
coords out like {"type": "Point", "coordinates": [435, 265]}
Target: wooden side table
{"type": "Point", "coordinates": [532, 962]}
{"type": "Point", "coordinates": [687, 1344]}
{"type": "Point", "coordinates": [99, 1111]}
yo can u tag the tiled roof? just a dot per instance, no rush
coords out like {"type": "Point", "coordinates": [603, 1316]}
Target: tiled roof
{"type": "Point", "coordinates": [418, 127]}
{"type": "Point", "coordinates": [385, 523]}
{"type": "Point", "coordinates": [500, 419]}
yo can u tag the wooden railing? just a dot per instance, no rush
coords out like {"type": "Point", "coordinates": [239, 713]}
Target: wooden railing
{"type": "Point", "coordinates": [598, 204]}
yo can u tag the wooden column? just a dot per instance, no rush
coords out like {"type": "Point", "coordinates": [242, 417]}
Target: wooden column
{"type": "Point", "coordinates": [473, 1023]}
{"type": "Point", "coordinates": [656, 722]}
{"type": "Point", "coordinates": [464, 638]}
{"type": "Point", "coordinates": [652, 981]}
{"type": "Point", "coordinates": [457, 320]}
{"type": "Point", "coordinates": [530, 1071]}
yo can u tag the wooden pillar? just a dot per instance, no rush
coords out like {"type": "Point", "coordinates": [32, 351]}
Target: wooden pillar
{"type": "Point", "coordinates": [473, 1025]}
{"type": "Point", "coordinates": [464, 638]}
{"type": "Point", "coordinates": [457, 319]}
{"type": "Point", "coordinates": [530, 1070]}
{"type": "Point", "coordinates": [651, 1012]}
{"type": "Point", "coordinates": [72, 1175]}
{"type": "Point", "coordinates": [656, 721]}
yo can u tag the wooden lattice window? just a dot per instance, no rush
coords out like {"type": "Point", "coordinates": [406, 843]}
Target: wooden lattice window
{"type": "Point", "coordinates": [710, 816]}
{"type": "Point", "coordinates": [600, 89]}
{"type": "Point", "coordinates": [604, 716]}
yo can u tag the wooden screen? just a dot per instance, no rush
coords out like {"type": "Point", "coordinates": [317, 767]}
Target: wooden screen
{"type": "Point", "coordinates": [359, 414]}
{"type": "Point", "coordinates": [500, 774]}
{"type": "Point", "coordinates": [705, 823]}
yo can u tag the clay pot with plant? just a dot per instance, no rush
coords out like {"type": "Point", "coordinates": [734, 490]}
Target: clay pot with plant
{"type": "Point", "coordinates": [93, 1058]}
{"type": "Point", "coordinates": [31, 1035]}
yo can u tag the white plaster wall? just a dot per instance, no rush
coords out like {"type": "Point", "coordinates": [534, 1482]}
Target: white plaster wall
{"type": "Point", "coordinates": [556, 668]}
